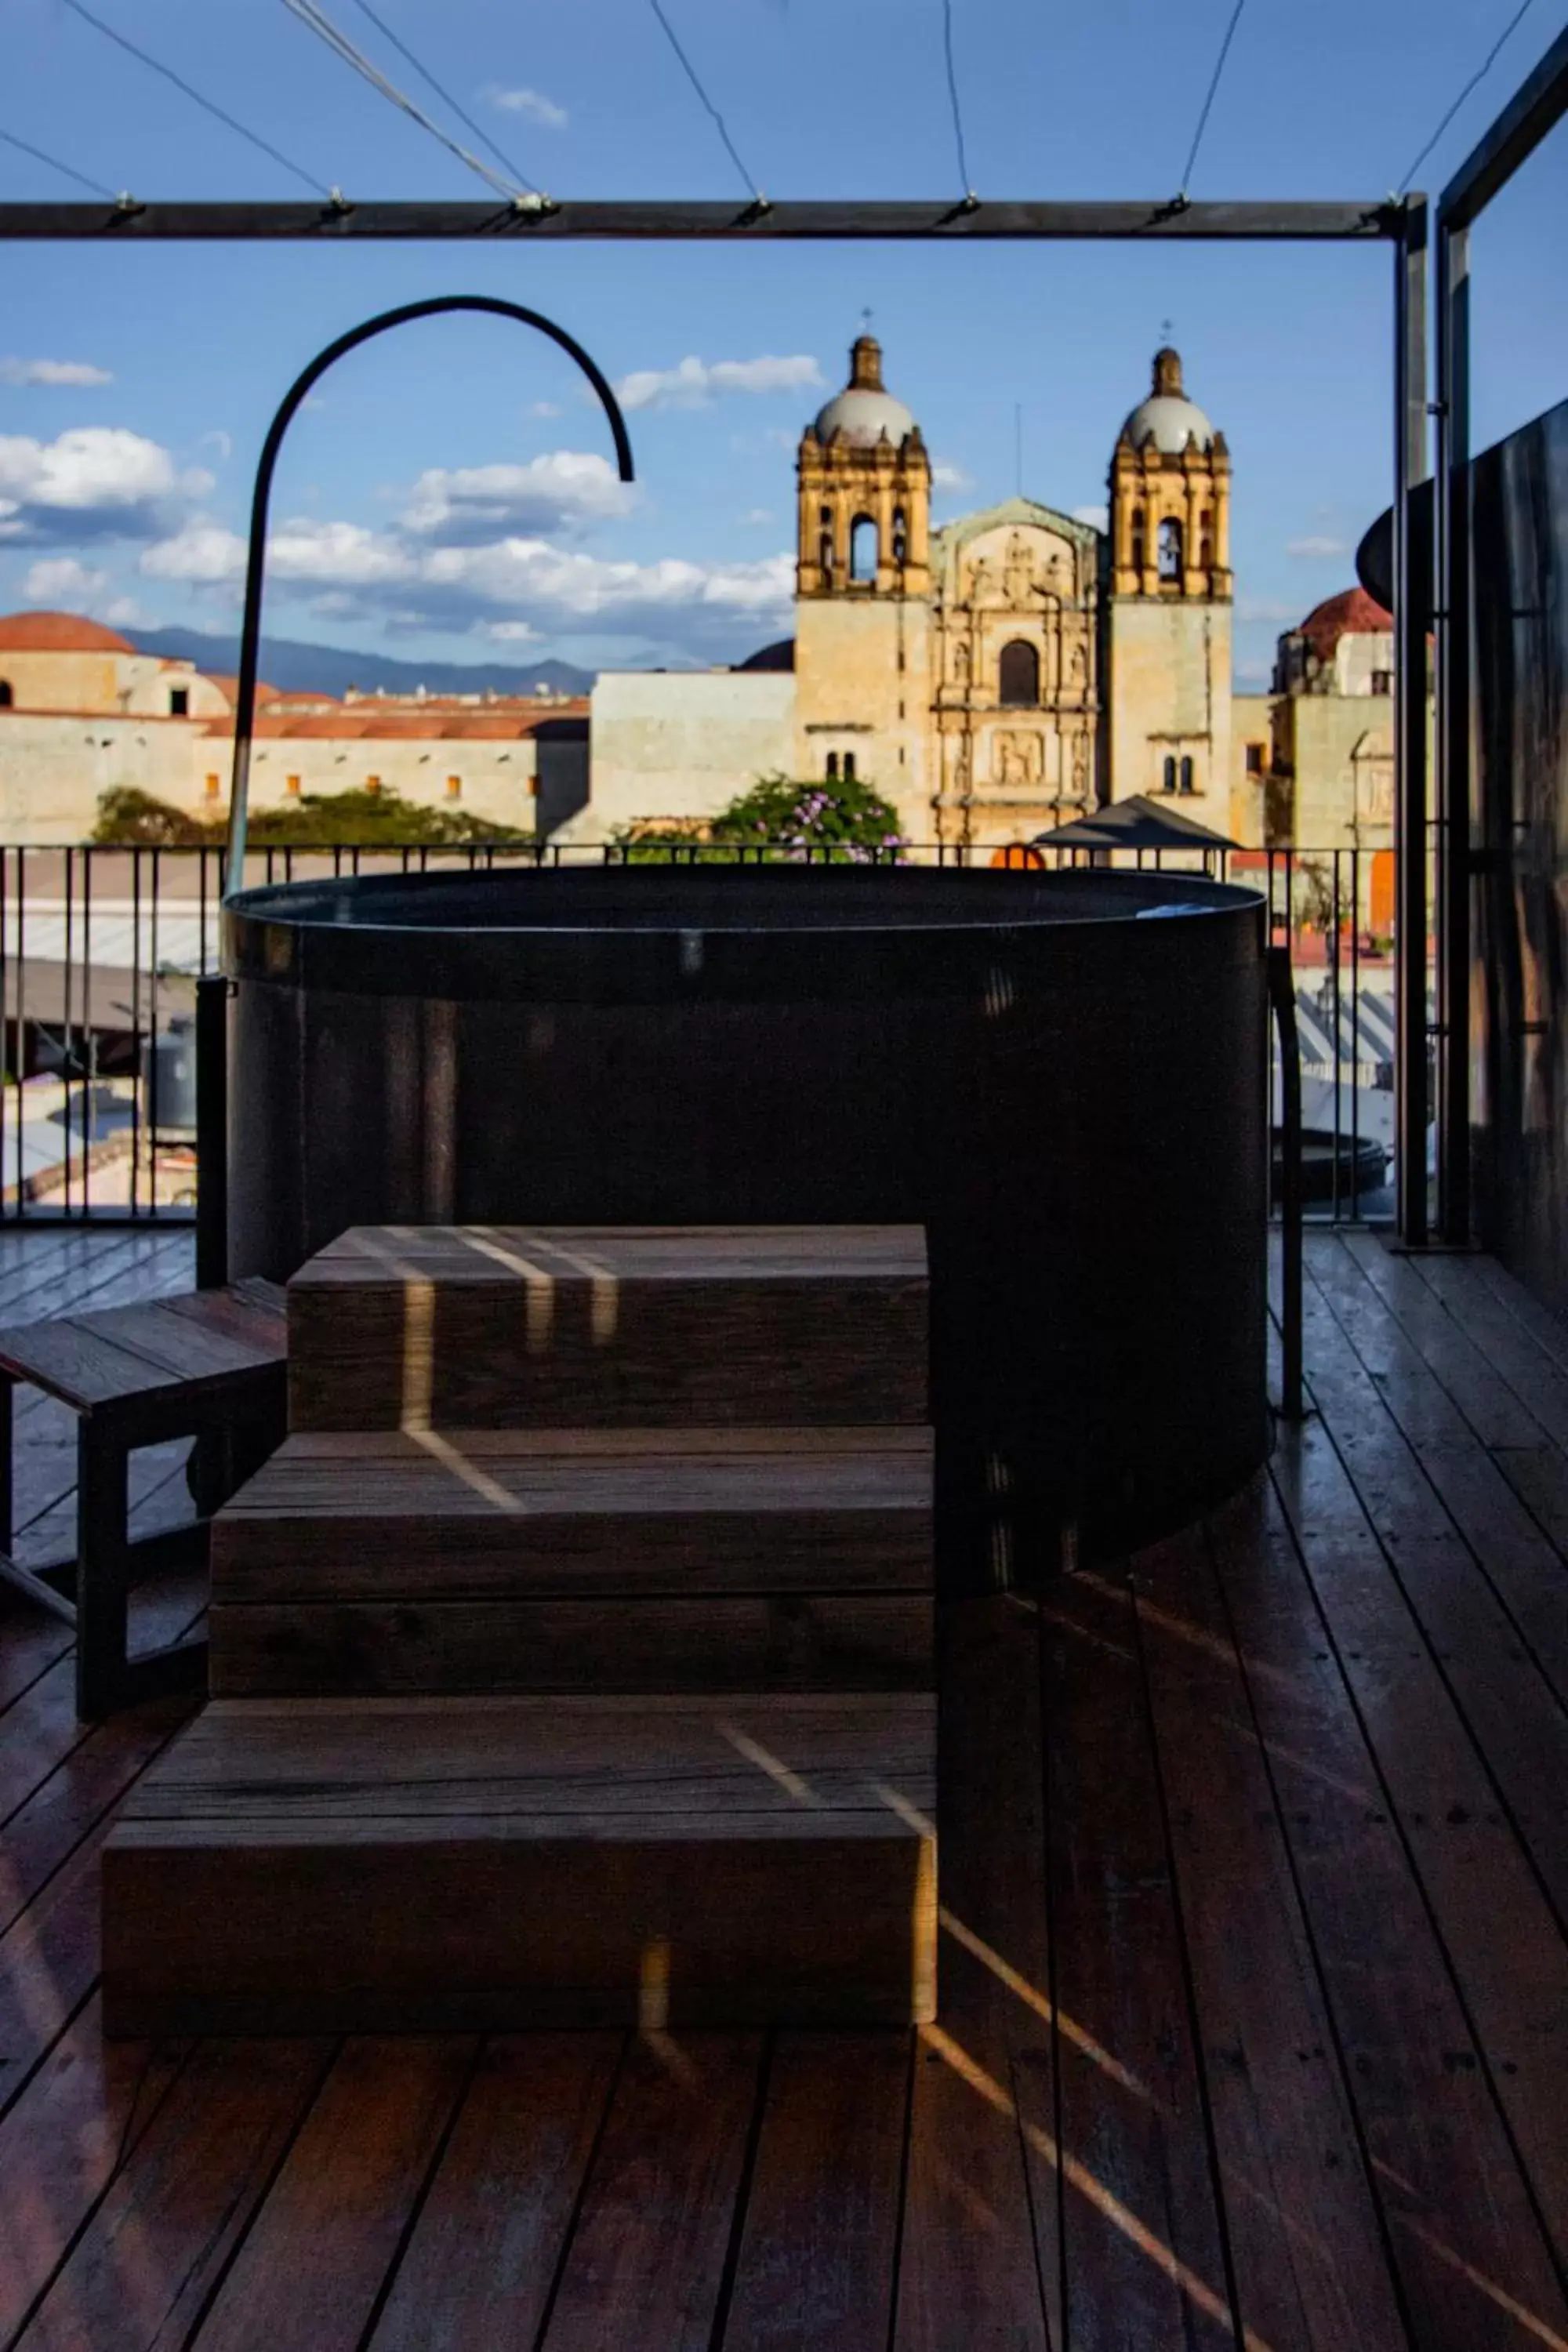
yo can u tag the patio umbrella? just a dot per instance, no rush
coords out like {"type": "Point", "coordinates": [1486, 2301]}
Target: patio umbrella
{"type": "Point", "coordinates": [1135, 823]}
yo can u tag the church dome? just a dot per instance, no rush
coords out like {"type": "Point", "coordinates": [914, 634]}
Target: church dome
{"type": "Point", "coordinates": [58, 633]}
{"type": "Point", "coordinates": [1168, 417]}
{"type": "Point", "coordinates": [864, 410]}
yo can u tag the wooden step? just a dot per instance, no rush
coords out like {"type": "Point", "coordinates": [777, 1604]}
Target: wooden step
{"type": "Point", "coordinates": [369, 1866]}
{"type": "Point", "coordinates": [440, 1562]}
{"type": "Point", "coordinates": [635, 1327]}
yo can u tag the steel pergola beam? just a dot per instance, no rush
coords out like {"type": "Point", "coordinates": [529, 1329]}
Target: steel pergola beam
{"type": "Point", "coordinates": [132, 222]}
{"type": "Point", "coordinates": [1536, 107]}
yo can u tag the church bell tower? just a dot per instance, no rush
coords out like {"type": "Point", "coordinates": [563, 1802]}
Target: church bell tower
{"type": "Point", "coordinates": [862, 594]}
{"type": "Point", "coordinates": [865, 491]}
{"type": "Point", "coordinates": [1171, 598]}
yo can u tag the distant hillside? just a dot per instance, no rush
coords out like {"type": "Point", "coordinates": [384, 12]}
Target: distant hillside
{"type": "Point", "coordinates": [299, 668]}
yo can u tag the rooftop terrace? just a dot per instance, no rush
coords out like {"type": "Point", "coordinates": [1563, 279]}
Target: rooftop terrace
{"type": "Point", "coordinates": [1254, 1874]}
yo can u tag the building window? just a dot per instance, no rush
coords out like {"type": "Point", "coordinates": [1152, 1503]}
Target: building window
{"type": "Point", "coordinates": [1168, 778]}
{"type": "Point", "coordinates": [1382, 681]}
{"type": "Point", "coordinates": [833, 767]}
{"type": "Point", "coordinates": [862, 548]}
{"type": "Point", "coordinates": [1018, 674]}
{"type": "Point", "coordinates": [825, 556]}
{"type": "Point", "coordinates": [1138, 539]}
{"type": "Point", "coordinates": [1186, 775]}
{"type": "Point", "coordinates": [849, 767]}
{"type": "Point", "coordinates": [1255, 759]}
{"type": "Point", "coordinates": [454, 788]}
{"type": "Point", "coordinates": [210, 786]}
{"type": "Point", "coordinates": [291, 785]}
{"type": "Point", "coordinates": [900, 537]}
{"type": "Point", "coordinates": [7, 696]}
{"type": "Point", "coordinates": [373, 784]}
{"type": "Point", "coordinates": [1168, 549]}
{"type": "Point", "coordinates": [179, 702]}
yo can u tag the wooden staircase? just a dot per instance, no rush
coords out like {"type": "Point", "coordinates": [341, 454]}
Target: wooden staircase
{"type": "Point", "coordinates": [572, 1661]}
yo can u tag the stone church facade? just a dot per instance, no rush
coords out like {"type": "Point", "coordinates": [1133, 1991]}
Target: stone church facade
{"type": "Point", "coordinates": [1017, 666]}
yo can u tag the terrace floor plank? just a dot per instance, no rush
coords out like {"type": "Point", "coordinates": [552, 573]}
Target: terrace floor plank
{"type": "Point", "coordinates": [1253, 1987]}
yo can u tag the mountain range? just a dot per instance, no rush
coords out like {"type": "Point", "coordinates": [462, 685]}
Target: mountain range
{"type": "Point", "coordinates": [297, 668]}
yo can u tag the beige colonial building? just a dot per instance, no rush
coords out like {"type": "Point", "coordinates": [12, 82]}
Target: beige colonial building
{"type": "Point", "coordinates": [991, 678]}
{"type": "Point", "coordinates": [82, 713]}
{"type": "Point", "coordinates": [1019, 667]}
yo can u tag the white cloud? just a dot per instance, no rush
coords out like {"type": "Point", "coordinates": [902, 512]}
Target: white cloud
{"type": "Point", "coordinates": [203, 552]}
{"type": "Point", "coordinates": [557, 584]}
{"type": "Point", "coordinates": [1266, 608]}
{"type": "Point", "coordinates": [756, 516]}
{"type": "Point", "coordinates": [123, 612]}
{"type": "Point", "coordinates": [946, 477]}
{"type": "Point", "coordinates": [545, 408]}
{"type": "Point", "coordinates": [339, 554]}
{"type": "Point", "coordinates": [1315, 548]}
{"type": "Point", "coordinates": [220, 443]}
{"type": "Point", "coordinates": [1099, 517]}
{"type": "Point", "coordinates": [59, 582]}
{"type": "Point", "coordinates": [693, 382]}
{"type": "Point", "coordinates": [53, 372]}
{"type": "Point", "coordinates": [562, 491]}
{"type": "Point", "coordinates": [516, 585]}
{"type": "Point", "coordinates": [532, 102]}
{"type": "Point", "coordinates": [93, 481]}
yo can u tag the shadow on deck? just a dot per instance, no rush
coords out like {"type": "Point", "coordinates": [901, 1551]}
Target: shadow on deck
{"type": "Point", "coordinates": [1255, 1985]}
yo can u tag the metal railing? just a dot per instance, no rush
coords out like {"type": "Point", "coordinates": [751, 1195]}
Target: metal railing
{"type": "Point", "coordinates": [100, 950]}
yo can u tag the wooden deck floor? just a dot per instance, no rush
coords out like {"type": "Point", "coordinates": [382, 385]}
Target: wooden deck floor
{"type": "Point", "coordinates": [1255, 2023]}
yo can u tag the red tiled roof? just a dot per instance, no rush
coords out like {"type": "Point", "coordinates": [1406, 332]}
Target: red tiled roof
{"type": "Point", "coordinates": [375, 723]}
{"type": "Point", "coordinates": [1352, 614]}
{"type": "Point", "coordinates": [58, 633]}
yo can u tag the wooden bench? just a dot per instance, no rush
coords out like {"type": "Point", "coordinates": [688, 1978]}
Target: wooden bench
{"type": "Point", "coordinates": [210, 1365]}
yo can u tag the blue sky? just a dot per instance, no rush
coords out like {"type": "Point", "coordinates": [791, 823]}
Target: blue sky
{"type": "Point", "coordinates": [449, 492]}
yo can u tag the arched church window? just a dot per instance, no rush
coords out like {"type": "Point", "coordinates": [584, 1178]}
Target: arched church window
{"type": "Point", "coordinates": [1205, 544]}
{"type": "Point", "coordinates": [832, 769]}
{"type": "Point", "coordinates": [1138, 539]}
{"type": "Point", "coordinates": [1186, 775]}
{"type": "Point", "coordinates": [1020, 673]}
{"type": "Point", "coordinates": [825, 556]}
{"type": "Point", "coordinates": [900, 537]}
{"type": "Point", "coordinates": [1170, 775]}
{"type": "Point", "coordinates": [849, 767]}
{"type": "Point", "coordinates": [825, 516]}
{"type": "Point", "coordinates": [1168, 547]}
{"type": "Point", "coordinates": [7, 696]}
{"type": "Point", "coordinates": [863, 549]}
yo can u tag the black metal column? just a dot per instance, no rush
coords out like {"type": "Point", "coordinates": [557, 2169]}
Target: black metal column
{"type": "Point", "coordinates": [1451, 519]}
{"type": "Point", "coordinates": [1410, 623]}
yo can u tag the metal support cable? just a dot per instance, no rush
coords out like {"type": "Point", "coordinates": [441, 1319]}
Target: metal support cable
{"type": "Point", "coordinates": [952, 101]}
{"type": "Point", "coordinates": [309, 13]}
{"type": "Point", "coordinates": [10, 139]}
{"type": "Point", "coordinates": [481, 134]}
{"type": "Point", "coordinates": [691, 75]}
{"type": "Point", "coordinates": [208, 105]}
{"type": "Point", "coordinates": [1210, 96]}
{"type": "Point", "coordinates": [1474, 83]}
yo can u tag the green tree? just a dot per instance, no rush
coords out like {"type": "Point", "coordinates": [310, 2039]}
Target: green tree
{"type": "Point", "coordinates": [839, 821]}
{"type": "Point", "coordinates": [130, 818]}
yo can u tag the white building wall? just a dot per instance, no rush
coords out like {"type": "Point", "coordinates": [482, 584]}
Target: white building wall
{"type": "Point", "coordinates": [53, 769]}
{"type": "Point", "coordinates": [681, 743]}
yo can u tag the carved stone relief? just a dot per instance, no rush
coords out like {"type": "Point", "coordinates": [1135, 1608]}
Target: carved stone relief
{"type": "Point", "coordinates": [1017, 760]}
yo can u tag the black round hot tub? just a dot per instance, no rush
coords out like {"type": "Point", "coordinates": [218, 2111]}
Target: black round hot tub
{"type": "Point", "coordinates": [1060, 1076]}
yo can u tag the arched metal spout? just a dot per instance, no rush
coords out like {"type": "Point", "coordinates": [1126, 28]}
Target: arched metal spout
{"type": "Point", "coordinates": [256, 561]}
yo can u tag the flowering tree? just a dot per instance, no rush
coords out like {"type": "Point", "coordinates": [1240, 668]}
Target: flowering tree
{"type": "Point", "coordinates": [841, 821]}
